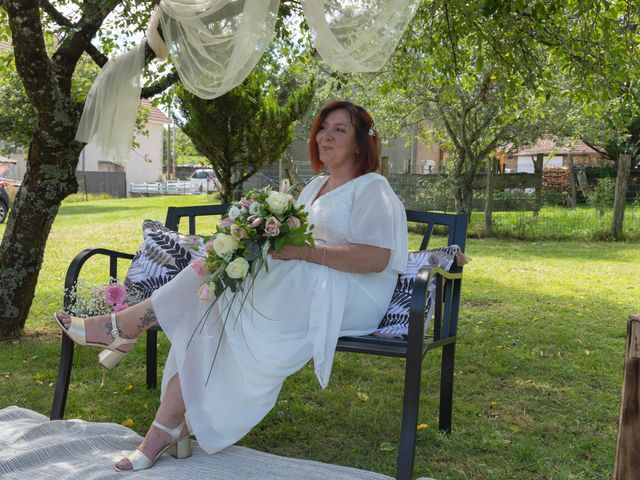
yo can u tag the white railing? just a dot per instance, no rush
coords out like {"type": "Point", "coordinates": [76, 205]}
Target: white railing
{"type": "Point", "coordinates": [167, 187]}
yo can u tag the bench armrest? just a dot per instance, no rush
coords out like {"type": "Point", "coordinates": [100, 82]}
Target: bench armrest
{"type": "Point", "coordinates": [73, 271]}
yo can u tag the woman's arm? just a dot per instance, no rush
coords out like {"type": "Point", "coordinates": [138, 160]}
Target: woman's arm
{"type": "Point", "coordinates": [350, 257]}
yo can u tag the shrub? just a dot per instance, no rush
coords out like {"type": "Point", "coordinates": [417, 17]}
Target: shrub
{"type": "Point", "coordinates": [601, 196]}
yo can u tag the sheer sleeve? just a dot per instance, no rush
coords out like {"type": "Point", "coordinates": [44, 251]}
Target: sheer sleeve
{"type": "Point", "coordinates": [379, 219]}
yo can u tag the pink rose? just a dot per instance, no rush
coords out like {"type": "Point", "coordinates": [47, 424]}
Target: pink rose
{"type": "Point", "coordinates": [225, 222]}
{"type": "Point", "coordinates": [256, 222]}
{"type": "Point", "coordinates": [237, 232]}
{"type": "Point", "coordinates": [205, 294]}
{"type": "Point", "coordinates": [208, 247]}
{"type": "Point", "coordinates": [200, 267]}
{"type": "Point", "coordinates": [272, 227]}
{"type": "Point", "coordinates": [245, 203]}
{"type": "Point", "coordinates": [115, 293]}
{"type": "Point", "coordinates": [293, 222]}
{"type": "Point", "coordinates": [118, 307]}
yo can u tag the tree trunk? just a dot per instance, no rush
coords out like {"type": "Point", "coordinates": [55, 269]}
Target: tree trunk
{"type": "Point", "coordinates": [463, 195]}
{"type": "Point", "coordinates": [488, 206]}
{"type": "Point", "coordinates": [619, 201]}
{"type": "Point", "coordinates": [50, 177]}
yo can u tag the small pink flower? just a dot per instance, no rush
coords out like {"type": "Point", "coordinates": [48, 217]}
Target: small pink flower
{"type": "Point", "coordinates": [256, 222]}
{"type": "Point", "coordinates": [237, 232]}
{"type": "Point", "coordinates": [118, 307]}
{"type": "Point", "coordinates": [208, 247]}
{"type": "Point", "coordinates": [200, 267]}
{"type": "Point", "coordinates": [205, 294]}
{"type": "Point", "coordinates": [225, 222]}
{"type": "Point", "coordinates": [245, 203]}
{"type": "Point", "coordinates": [272, 227]}
{"type": "Point", "coordinates": [115, 293]}
{"type": "Point", "coordinates": [293, 222]}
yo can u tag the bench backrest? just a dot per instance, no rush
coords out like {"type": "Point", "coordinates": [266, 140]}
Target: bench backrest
{"type": "Point", "coordinates": [455, 224]}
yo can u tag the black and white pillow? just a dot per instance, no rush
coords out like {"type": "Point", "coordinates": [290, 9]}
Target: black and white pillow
{"type": "Point", "coordinates": [395, 323]}
{"type": "Point", "coordinates": [162, 255]}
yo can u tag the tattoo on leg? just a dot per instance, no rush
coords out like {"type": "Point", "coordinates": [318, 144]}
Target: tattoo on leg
{"type": "Point", "coordinates": [148, 319]}
{"type": "Point", "coordinates": [107, 327]}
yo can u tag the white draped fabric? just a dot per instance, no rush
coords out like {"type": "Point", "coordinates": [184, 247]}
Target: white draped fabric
{"type": "Point", "coordinates": [357, 35]}
{"type": "Point", "coordinates": [214, 45]}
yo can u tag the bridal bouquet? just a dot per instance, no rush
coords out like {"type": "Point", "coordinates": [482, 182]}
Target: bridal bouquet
{"type": "Point", "coordinates": [261, 220]}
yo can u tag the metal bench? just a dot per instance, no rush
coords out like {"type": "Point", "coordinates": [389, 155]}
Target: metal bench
{"type": "Point", "coordinates": [413, 349]}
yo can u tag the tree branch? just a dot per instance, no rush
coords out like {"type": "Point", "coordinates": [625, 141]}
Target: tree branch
{"type": "Point", "coordinates": [32, 63]}
{"type": "Point", "coordinates": [79, 40]}
{"type": "Point", "coordinates": [98, 57]}
{"type": "Point", "coordinates": [160, 86]}
{"type": "Point", "coordinates": [600, 150]}
{"type": "Point", "coordinates": [55, 15]}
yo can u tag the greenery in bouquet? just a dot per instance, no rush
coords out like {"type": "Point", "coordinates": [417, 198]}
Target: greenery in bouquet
{"type": "Point", "coordinates": [89, 301]}
{"type": "Point", "coordinates": [261, 220]}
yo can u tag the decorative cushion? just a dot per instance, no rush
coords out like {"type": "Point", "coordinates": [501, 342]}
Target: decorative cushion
{"type": "Point", "coordinates": [162, 255]}
{"type": "Point", "coordinates": [395, 323]}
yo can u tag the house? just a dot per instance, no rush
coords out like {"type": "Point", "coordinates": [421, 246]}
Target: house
{"type": "Point", "coordinates": [145, 159]}
{"type": "Point", "coordinates": [556, 154]}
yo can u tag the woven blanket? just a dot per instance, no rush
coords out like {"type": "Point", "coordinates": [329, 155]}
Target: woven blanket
{"type": "Point", "coordinates": [33, 447]}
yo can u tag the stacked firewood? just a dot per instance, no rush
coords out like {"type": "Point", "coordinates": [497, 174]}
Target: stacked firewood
{"type": "Point", "coordinates": [556, 180]}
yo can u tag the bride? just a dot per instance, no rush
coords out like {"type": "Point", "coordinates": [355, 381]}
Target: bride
{"type": "Point", "coordinates": [309, 297]}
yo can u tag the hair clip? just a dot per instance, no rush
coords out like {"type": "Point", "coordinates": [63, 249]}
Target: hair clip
{"type": "Point", "coordinates": [372, 130]}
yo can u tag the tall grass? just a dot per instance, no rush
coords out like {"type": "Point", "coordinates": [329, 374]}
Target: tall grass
{"type": "Point", "coordinates": [558, 223]}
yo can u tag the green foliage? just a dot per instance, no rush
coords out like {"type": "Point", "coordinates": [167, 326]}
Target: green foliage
{"type": "Point", "coordinates": [601, 196]}
{"type": "Point", "coordinates": [183, 144]}
{"type": "Point", "coordinates": [467, 79]}
{"type": "Point", "coordinates": [247, 128]}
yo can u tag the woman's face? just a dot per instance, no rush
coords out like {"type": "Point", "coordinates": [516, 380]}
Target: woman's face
{"type": "Point", "coordinates": [336, 141]}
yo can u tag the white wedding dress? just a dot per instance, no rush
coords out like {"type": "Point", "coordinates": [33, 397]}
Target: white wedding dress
{"type": "Point", "coordinates": [293, 313]}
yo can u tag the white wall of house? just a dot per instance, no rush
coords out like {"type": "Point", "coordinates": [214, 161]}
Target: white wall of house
{"type": "Point", "coordinates": [144, 163]}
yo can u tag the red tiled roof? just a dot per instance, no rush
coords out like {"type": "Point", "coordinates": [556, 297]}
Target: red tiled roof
{"type": "Point", "coordinates": [155, 114]}
{"type": "Point", "coordinates": [548, 145]}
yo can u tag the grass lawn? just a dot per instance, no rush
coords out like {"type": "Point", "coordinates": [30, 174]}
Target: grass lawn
{"type": "Point", "coordinates": [538, 365]}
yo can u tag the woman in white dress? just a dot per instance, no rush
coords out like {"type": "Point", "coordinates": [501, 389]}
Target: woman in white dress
{"type": "Point", "coordinates": [309, 297]}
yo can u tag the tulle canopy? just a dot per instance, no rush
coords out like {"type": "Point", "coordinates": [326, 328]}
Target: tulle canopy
{"type": "Point", "coordinates": [214, 45]}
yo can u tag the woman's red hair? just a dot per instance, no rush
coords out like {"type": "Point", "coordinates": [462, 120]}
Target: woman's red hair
{"type": "Point", "coordinates": [368, 157]}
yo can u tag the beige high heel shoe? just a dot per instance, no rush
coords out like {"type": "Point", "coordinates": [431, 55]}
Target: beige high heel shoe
{"type": "Point", "coordinates": [110, 356]}
{"type": "Point", "coordinates": [179, 447]}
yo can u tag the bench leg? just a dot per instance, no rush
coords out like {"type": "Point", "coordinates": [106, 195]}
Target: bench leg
{"type": "Point", "coordinates": [446, 387]}
{"type": "Point", "coordinates": [64, 377]}
{"type": "Point", "coordinates": [408, 431]}
{"type": "Point", "coordinates": [152, 358]}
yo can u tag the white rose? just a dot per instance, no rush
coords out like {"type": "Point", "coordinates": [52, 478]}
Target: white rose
{"type": "Point", "coordinates": [223, 244]}
{"type": "Point", "coordinates": [234, 212]}
{"type": "Point", "coordinates": [238, 268]}
{"type": "Point", "coordinates": [254, 207]}
{"type": "Point", "coordinates": [278, 202]}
